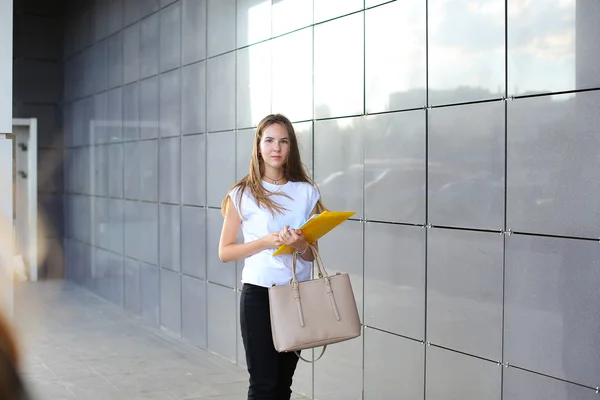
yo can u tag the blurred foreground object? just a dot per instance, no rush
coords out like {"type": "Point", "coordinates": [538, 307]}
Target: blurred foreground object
{"type": "Point", "coordinates": [11, 384]}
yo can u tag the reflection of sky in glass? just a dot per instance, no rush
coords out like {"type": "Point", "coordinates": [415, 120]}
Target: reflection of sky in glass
{"type": "Point", "coordinates": [259, 22]}
{"type": "Point", "coordinates": [339, 67]}
{"type": "Point", "coordinates": [466, 45]}
{"type": "Point", "coordinates": [259, 62]}
{"type": "Point", "coordinates": [541, 45]}
{"type": "Point", "coordinates": [292, 75]}
{"type": "Point", "coordinates": [259, 57]}
{"type": "Point", "coordinates": [400, 68]}
{"type": "Point", "coordinates": [289, 15]}
{"type": "Point", "coordinates": [327, 9]}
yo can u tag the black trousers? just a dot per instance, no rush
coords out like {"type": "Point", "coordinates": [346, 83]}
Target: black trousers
{"type": "Point", "coordinates": [271, 372]}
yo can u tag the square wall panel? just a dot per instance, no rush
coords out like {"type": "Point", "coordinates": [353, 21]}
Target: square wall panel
{"type": "Point", "coordinates": [462, 66]}
{"type": "Point", "coordinates": [339, 163]}
{"type": "Point", "coordinates": [150, 293]}
{"type": "Point", "coordinates": [149, 46]}
{"type": "Point", "coordinates": [115, 115]}
{"type": "Point", "coordinates": [193, 95]}
{"type": "Point", "coordinates": [304, 134]}
{"type": "Point", "coordinates": [131, 53]}
{"type": "Point", "coordinates": [550, 326]}
{"type": "Point", "coordinates": [553, 168]}
{"type": "Point", "coordinates": [147, 230]}
{"type": "Point", "coordinates": [244, 147]}
{"type": "Point", "coordinates": [464, 291]}
{"type": "Point", "coordinates": [396, 75]}
{"type": "Point", "coordinates": [141, 231]}
{"type": "Point", "coordinates": [519, 384]}
{"type": "Point", "coordinates": [339, 374]}
{"type": "Point", "coordinates": [328, 9]}
{"type": "Point", "coordinates": [170, 301]}
{"type": "Point", "coordinates": [221, 92]}
{"type": "Point", "coordinates": [164, 3]}
{"type": "Point", "coordinates": [396, 367]}
{"type": "Point", "coordinates": [395, 279]}
{"type": "Point", "coordinates": [115, 60]}
{"type": "Point", "coordinates": [193, 241]}
{"type": "Point", "coordinates": [100, 222]}
{"type": "Point", "coordinates": [116, 15]}
{"type": "Point", "coordinates": [342, 251]}
{"type": "Point", "coordinates": [100, 73]}
{"type": "Point", "coordinates": [218, 272]}
{"type": "Point", "coordinates": [170, 103]}
{"type": "Point", "coordinates": [132, 10]}
{"type": "Point", "coordinates": [221, 166]}
{"type": "Point", "coordinates": [170, 37]}
{"type": "Point", "coordinates": [221, 319]}
{"type": "Point", "coordinates": [170, 170]}
{"type": "Point", "coordinates": [466, 166]}
{"type": "Point", "coordinates": [116, 225]}
{"type": "Point", "coordinates": [115, 170]}
{"type": "Point", "coordinates": [339, 67]}
{"type": "Point", "coordinates": [455, 376]}
{"type": "Point", "coordinates": [131, 236]}
{"type": "Point", "coordinates": [290, 15]}
{"type": "Point", "coordinates": [394, 167]}
{"type": "Point", "coordinates": [193, 310]}
{"type": "Point", "coordinates": [131, 112]}
{"type": "Point", "coordinates": [292, 83]}
{"type": "Point", "coordinates": [193, 31]}
{"type": "Point", "coordinates": [253, 84]}
{"type": "Point", "coordinates": [170, 237]}
{"type": "Point", "coordinates": [253, 21]}
{"type": "Point", "coordinates": [131, 170]}
{"type": "Point", "coordinates": [148, 169]}
{"type": "Point", "coordinates": [100, 170]}
{"type": "Point", "coordinates": [193, 170]}
{"type": "Point", "coordinates": [149, 108]}
{"type": "Point", "coordinates": [575, 58]}
{"type": "Point", "coordinates": [147, 7]}
{"type": "Point", "coordinates": [221, 26]}
{"type": "Point", "coordinates": [133, 286]}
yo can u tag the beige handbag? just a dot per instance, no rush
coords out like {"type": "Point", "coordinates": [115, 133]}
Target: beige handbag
{"type": "Point", "coordinates": [313, 313]}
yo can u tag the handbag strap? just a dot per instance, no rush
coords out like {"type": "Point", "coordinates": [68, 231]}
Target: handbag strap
{"type": "Point", "coordinates": [322, 272]}
{"type": "Point", "coordinates": [313, 361]}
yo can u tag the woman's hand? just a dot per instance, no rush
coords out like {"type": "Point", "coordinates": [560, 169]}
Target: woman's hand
{"type": "Point", "coordinates": [272, 240]}
{"type": "Point", "coordinates": [294, 238]}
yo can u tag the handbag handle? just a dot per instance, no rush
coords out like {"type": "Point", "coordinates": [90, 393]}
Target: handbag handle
{"type": "Point", "coordinates": [322, 272]}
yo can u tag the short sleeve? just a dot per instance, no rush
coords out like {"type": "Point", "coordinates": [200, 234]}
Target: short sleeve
{"type": "Point", "coordinates": [313, 197]}
{"type": "Point", "coordinates": [234, 196]}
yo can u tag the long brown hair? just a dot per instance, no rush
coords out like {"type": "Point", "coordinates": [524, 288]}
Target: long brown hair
{"type": "Point", "coordinates": [293, 169]}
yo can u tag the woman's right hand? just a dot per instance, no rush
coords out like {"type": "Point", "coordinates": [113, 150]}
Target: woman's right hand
{"type": "Point", "coordinates": [272, 240]}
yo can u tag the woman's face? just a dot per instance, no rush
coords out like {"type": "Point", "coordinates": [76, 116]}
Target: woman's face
{"type": "Point", "coordinates": [274, 146]}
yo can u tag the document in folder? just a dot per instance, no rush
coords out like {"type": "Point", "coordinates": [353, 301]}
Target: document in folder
{"type": "Point", "coordinates": [317, 227]}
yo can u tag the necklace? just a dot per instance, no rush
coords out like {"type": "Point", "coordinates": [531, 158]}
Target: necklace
{"type": "Point", "coordinates": [275, 181]}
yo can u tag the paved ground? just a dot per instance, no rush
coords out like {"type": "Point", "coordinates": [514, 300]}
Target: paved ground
{"type": "Point", "coordinates": [78, 346]}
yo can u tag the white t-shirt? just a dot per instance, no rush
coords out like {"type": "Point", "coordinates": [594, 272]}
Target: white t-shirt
{"type": "Point", "coordinates": [262, 269]}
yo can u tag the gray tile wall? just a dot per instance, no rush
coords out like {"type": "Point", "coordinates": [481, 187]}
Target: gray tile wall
{"type": "Point", "coordinates": [470, 159]}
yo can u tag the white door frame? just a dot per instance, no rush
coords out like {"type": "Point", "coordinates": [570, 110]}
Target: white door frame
{"type": "Point", "coordinates": [26, 223]}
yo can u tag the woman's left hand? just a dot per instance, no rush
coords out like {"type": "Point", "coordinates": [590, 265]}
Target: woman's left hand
{"type": "Point", "coordinates": [293, 238]}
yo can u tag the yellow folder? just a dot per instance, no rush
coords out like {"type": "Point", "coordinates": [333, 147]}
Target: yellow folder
{"type": "Point", "coordinates": [317, 227]}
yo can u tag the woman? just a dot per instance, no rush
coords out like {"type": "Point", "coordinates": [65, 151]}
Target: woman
{"type": "Point", "coordinates": [269, 204]}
